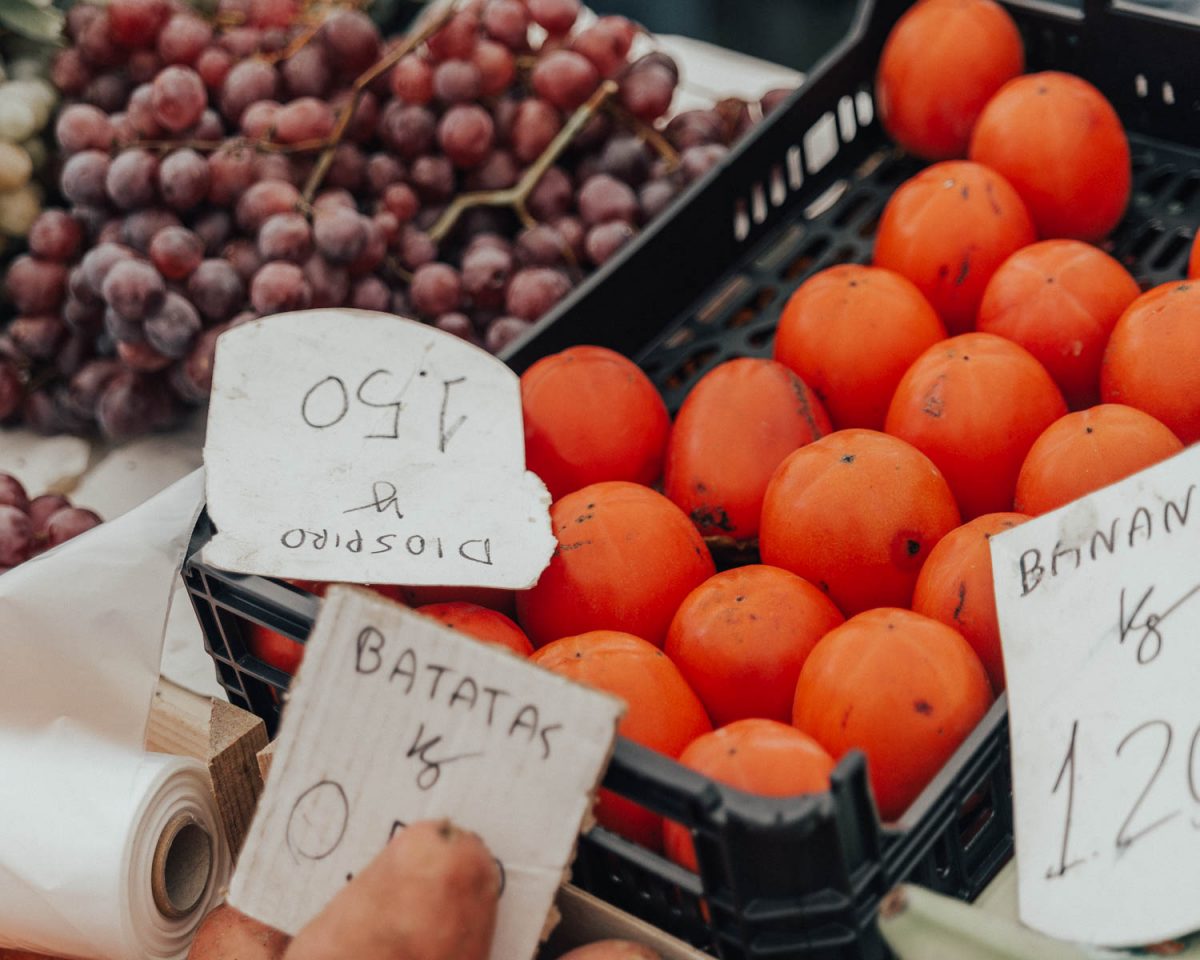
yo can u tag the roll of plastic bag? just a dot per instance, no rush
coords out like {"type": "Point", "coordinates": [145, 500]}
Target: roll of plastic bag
{"type": "Point", "coordinates": [109, 853]}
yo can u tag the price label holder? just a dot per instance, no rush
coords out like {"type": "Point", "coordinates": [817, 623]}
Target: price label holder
{"type": "Point", "coordinates": [1099, 611]}
{"type": "Point", "coordinates": [394, 718]}
{"type": "Point", "coordinates": [348, 445]}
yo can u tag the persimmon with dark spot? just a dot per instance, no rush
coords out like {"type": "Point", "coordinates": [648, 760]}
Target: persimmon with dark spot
{"type": "Point", "coordinates": [1084, 451]}
{"type": "Point", "coordinates": [741, 637]}
{"type": "Point", "coordinates": [856, 513]}
{"type": "Point", "coordinates": [955, 587]}
{"type": "Point", "coordinates": [735, 427]}
{"type": "Point", "coordinates": [662, 711]}
{"type": "Point", "coordinates": [974, 404]}
{"type": "Point", "coordinates": [903, 688]}
{"type": "Point", "coordinates": [626, 558]}
{"type": "Point", "coordinates": [850, 332]}
{"type": "Point", "coordinates": [764, 757]}
{"type": "Point", "coordinates": [947, 229]}
{"type": "Point", "coordinates": [592, 415]}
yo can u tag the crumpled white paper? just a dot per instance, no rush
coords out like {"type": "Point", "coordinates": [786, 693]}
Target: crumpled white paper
{"type": "Point", "coordinates": [82, 805]}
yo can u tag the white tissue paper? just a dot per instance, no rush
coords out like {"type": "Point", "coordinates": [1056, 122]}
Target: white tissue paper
{"type": "Point", "coordinates": [82, 805]}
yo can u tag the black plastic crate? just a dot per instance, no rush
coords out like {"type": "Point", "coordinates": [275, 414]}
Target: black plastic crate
{"type": "Point", "coordinates": [800, 878]}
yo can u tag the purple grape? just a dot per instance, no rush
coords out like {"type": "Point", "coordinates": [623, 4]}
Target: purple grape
{"type": "Point", "coordinates": [141, 227]}
{"type": "Point", "coordinates": [172, 327]}
{"type": "Point", "coordinates": [134, 289]}
{"type": "Point", "coordinates": [330, 284]}
{"type": "Point", "coordinates": [695, 162]}
{"type": "Point", "coordinates": [133, 404]}
{"type": "Point", "coordinates": [504, 331]}
{"type": "Point", "coordinates": [279, 287]}
{"type": "Point", "coordinates": [604, 198]}
{"type": "Point", "coordinates": [214, 228]}
{"type": "Point", "coordinates": [69, 523]}
{"type": "Point", "coordinates": [36, 286]}
{"type": "Point", "coordinates": [371, 293]}
{"type": "Point", "coordinates": [541, 245]}
{"type": "Point", "coordinates": [458, 324]}
{"type": "Point", "coordinates": [436, 288]}
{"type": "Point", "coordinates": [340, 235]}
{"type": "Point", "coordinates": [285, 236]}
{"type": "Point", "coordinates": [131, 178]}
{"type": "Point", "coordinates": [655, 196]}
{"type": "Point", "coordinates": [16, 535]}
{"type": "Point", "coordinates": [98, 261]}
{"type": "Point", "coordinates": [12, 391]}
{"type": "Point", "coordinates": [83, 178]}
{"type": "Point", "coordinates": [12, 493]}
{"type": "Point", "coordinates": [38, 337]}
{"type": "Point", "coordinates": [552, 196]}
{"type": "Point", "coordinates": [535, 290]}
{"type": "Point", "coordinates": [605, 239]}
{"type": "Point", "coordinates": [485, 274]}
{"type": "Point", "coordinates": [216, 290]}
{"type": "Point", "coordinates": [183, 179]}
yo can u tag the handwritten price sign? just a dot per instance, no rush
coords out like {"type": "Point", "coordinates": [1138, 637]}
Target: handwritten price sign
{"type": "Point", "coordinates": [1099, 608]}
{"type": "Point", "coordinates": [394, 718]}
{"type": "Point", "coordinates": [355, 446]}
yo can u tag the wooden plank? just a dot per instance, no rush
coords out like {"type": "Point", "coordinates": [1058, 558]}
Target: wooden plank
{"type": "Point", "coordinates": [224, 738]}
{"type": "Point", "coordinates": [265, 756]}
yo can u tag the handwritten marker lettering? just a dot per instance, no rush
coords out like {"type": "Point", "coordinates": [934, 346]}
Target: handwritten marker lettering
{"type": "Point", "coordinates": [381, 451]}
{"type": "Point", "coordinates": [1099, 619]}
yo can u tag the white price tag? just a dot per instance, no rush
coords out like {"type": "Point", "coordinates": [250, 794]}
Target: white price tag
{"type": "Point", "coordinates": [347, 445]}
{"type": "Point", "coordinates": [395, 718]}
{"type": "Point", "coordinates": [1099, 609]}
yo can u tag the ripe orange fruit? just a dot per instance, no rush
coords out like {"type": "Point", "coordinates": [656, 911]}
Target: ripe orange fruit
{"type": "Point", "coordinates": [955, 587]}
{"type": "Point", "coordinates": [947, 229]}
{"type": "Point", "coordinates": [626, 558]}
{"type": "Point", "coordinates": [850, 332]}
{"type": "Point", "coordinates": [741, 637]}
{"type": "Point", "coordinates": [502, 601]}
{"type": "Point", "coordinates": [733, 430]}
{"type": "Point", "coordinates": [974, 404]}
{"type": "Point", "coordinates": [856, 513]}
{"type": "Point", "coordinates": [1061, 145]}
{"type": "Point", "coordinates": [481, 623]}
{"type": "Point", "coordinates": [1087, 450]}
{"type": "Point", "coordinates": [663, 713]}
{"type": "Point", "coordinates": [1060, 300]}
{"type": "Point", "coordinates": [942, 62]}
{"type": "Point", "coordinates": [902, 688]}
{"type": "Point", "coordinates": [765, 757]}
{"type": "Point", "coordinates": [592, 415]}
{"type": "Point", "coordinates": [1152, 361]}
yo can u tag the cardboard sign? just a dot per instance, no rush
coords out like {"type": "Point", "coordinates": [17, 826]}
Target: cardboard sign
{"type": "Point", "coordinates": [394, 718]}
{"type": "Point", "coordinates": [347, 445]}
{"type": "Point", "coordinates": [1099, 609]}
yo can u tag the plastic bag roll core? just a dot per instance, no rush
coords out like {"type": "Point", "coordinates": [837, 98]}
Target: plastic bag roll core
{"type": "Point", "coordinates": [182, 867]}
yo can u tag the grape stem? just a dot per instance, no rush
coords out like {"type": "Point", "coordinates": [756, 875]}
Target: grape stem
{"type": "Point", "coordinates": [410, 43]}
{"type": "Point", "coordinates": [516, 195]}
{"type": "Point", "coordinates": [648, 134]}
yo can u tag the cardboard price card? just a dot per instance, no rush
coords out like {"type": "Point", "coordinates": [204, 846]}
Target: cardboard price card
{"type": "Point", "coordinates": [347, 445]}
{"type": "Point", "coordinates": [394, 718]}
{"type": "Point", "coordinates": [1099, 610]}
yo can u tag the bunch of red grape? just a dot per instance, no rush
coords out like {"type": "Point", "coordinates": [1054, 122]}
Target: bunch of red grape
{"type": "Point", "coordinates": [28, 527]}
{"type": "Point", "coordinates": [292, 158]}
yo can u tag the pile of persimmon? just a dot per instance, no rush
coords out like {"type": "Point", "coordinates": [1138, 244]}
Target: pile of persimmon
{"type": "Point", "coordinates": [993, 363]}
